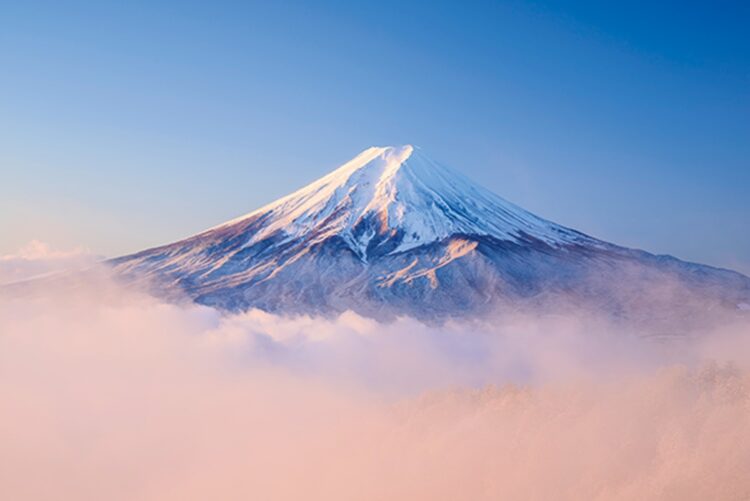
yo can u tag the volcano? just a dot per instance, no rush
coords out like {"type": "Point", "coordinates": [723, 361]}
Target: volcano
{"type": "Point", "coordinates": [394, 233]}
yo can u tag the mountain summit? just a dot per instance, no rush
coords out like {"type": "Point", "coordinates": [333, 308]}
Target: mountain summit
{"type": "Point", "coordinates": [392, 199]}
{"type": "Point", "coordinates": [392, 232]}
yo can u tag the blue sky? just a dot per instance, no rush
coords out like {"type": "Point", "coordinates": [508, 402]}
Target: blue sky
{"type": "Point", "coordinates": [126, 126]}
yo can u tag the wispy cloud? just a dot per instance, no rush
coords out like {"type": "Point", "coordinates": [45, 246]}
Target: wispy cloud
{"type": "Point", "coordinates": [36, 259]}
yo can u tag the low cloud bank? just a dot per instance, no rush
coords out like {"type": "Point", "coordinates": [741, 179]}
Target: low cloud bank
{"type": "Point", "coordinates": [107, 393]}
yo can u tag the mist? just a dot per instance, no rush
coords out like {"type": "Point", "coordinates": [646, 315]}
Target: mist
{"type": "Point", "coordinates": [109, 393]}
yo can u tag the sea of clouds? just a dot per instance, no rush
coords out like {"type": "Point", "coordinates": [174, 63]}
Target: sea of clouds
{"type": "Point", "coordinates": [109, 393]}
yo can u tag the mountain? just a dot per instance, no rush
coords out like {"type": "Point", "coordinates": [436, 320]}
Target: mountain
{"type": "Point", "coordinates": [392, 232]}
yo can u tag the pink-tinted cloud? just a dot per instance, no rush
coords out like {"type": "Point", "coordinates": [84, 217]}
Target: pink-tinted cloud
{"type": "Point", "coordinates": [37, 259]}
{"type": "Point", "coordinates": [107, 393]}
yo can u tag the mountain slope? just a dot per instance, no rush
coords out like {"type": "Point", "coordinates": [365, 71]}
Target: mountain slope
{"type": "Point", "coordinates": [394, 233]}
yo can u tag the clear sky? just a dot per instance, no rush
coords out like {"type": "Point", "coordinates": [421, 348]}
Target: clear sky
{"type": "Point", "coordinates": [129, 124]}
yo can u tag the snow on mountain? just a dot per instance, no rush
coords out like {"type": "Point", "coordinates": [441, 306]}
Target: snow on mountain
{"type": "Point", "coordinates": [403, 190]}
{"type": "Point", "coordinates": [392, 232]}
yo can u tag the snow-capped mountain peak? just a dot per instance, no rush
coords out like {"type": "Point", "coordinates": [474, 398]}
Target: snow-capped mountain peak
{"type": "Point", "coordinates": [392, 232]}
{"type": "Point", "coordinates": [397, 192]}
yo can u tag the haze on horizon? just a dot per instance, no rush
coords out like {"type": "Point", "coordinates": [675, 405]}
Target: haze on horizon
{"type": "Point", "coordinates": [129, 126]}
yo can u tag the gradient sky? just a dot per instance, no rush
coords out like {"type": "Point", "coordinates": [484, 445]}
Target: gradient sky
{"type": "Point", "coordinates": [126, 126]}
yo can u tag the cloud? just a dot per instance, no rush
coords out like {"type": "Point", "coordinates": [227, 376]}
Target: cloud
{"type": "Point", "coordinates": [37, 259]}
{"type": "Point", "coordinates": [108, 393]}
